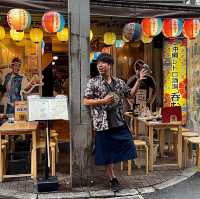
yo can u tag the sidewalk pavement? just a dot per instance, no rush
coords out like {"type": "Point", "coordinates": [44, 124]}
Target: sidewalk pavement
{"type": "Point", "coordinates": [138, 193]}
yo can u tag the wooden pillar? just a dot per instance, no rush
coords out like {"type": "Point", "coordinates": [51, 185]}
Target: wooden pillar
{"type": "Point", "coordinates": [79, 27]}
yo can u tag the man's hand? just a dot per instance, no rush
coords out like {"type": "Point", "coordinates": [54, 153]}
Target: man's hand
{"type": "Point", "coordinates": [143, 74]}
{"type": "Point", "coordinates": [108, 99]}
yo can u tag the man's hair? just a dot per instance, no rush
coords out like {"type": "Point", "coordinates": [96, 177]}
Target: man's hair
{"type": "Point", "coordinates": [16, 59]}
{"type": "Point", "coordinates": [2, 89]}
{"type": "Point", "coordinates": [105, 57]}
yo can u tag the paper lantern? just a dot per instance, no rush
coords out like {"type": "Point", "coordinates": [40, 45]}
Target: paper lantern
{"type": "Point", "coordinates": [124, 39]}
{"type": "Point", "coordinates": [145, 39]}
{"type": "Point", "coordinates": [53, 22]}
{"type": "Point", "coordinates": [2, 33]}
{"type": "Point", "coordinates": [16, 36]}
{"type": "Point", "coordinates": [91, 35]}
{"type": "Point", "coordinates": [63, 35]}
{"type": "Point", "coordinates": [172, 27]}
{"type": "Point", "coordinates": [91, 56]}
{"type": "Point", "coordinates": [151, 26]}
{"type": "Point", "coordinates": [191, 28]}
{"type": "Point", "coordinates": [36, 35]}
{"type": "Point", "coordinates": [131, 31]}
{"type": "Point", "coordinates": [119, 43]}
{"type": "Point", "coordinates": [109, 38]}
{"type": "Point", "coordinates": [18, 19]}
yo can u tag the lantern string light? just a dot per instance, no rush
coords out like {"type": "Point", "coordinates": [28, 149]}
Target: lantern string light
{"type": "Point", "coordinates": [16, 36]}
{"type": "Point", "coordinates": [191, 28]}
{"type": "Point", "coordinates": [63, 35]}
{"type": "Point", "coordinates": [18, 19]}
{"type": "Point", "coordinates": [53, 22]}
{"type": "Point", "coordinates": [36, 35]}
{"type": "Point", "coordinates": [109, 38]}
{"type": "Point", "coordinates": [151, 26]}
{"type": "Point", "coordinates": [2, 33]}
{"type": "Point", "coordinates": [132, 31]}
{"type": "Point", "coordinates": [172, 27]}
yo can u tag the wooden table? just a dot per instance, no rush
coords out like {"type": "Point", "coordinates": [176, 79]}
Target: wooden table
{"type": "Point", "coordinates": [159, 126]}
{"type": "Point", "coordinates": [19, 128]}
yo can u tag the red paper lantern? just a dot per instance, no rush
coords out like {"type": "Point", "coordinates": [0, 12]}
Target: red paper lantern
{"type": "Point", "coordinates": [191, 28]}
{"type": "Point", "coordinates": [172, 27]}
{"type": "Point", "coordinates": [151, 26]}
{"type": "Point", "coordinates": [53, 22]}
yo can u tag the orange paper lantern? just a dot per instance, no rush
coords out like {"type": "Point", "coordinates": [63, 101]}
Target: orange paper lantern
{"type": "Point", "coordinates": [191, 28]}
{"type": "Point", "coordinates": [53, 22]}
{"type": "Point", "coordinates": [151, 26]}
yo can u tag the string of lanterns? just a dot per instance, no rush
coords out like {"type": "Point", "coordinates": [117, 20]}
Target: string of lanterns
{"type": "Point", "coordinates": [151, 27]}
{"type": "Point", "coordinates": [19, 20]}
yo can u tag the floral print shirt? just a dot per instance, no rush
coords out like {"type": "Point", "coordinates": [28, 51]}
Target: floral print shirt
{"type": "Point", "coordinates": [96, 89]}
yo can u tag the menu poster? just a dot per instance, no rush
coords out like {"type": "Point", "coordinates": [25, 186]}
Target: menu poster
{"type": "Point", "coordinates": [21, 110]}
{"type": "Point", "coordinates": [47, 108]}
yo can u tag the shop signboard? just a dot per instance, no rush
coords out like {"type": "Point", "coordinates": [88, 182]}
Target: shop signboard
{"type": "Point", "coordinates": [174, 69]}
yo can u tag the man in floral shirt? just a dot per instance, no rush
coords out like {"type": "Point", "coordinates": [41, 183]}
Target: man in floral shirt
{"type": "Point", "coordinates": [105, 95]}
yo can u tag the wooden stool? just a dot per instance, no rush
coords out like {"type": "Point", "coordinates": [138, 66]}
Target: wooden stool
{"type": "Point", "coordinates": [41, 145]}
{"type": "Point", "coordinates": [173, 139]}
{"type": "Point", "coordinates": [186, 135]}
{"type": "Point", "coordinates": [54, 136]}
{"type": "Point", "coordinates": [3, 163]}
{"type": "Point", "coordinates": [193, 140]}
{"type": "Point", "coordinates": [138, 144]}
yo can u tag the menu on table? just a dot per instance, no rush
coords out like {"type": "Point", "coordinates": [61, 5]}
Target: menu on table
{"type": "Point", "coordinates": [47, 108]}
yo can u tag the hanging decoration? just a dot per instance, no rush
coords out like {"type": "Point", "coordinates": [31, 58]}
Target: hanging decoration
{"type": "Point", "coordinates": [191, 28]}
{"type": "Point", "coordinates": [145, 39]}
{"type": "Point", "coordinates": [91, 35]}
{"type": "Point", "coordinates": [172, 27]}
{"type": "Point", "coordinates": [18, 19]}
{"type": "Point", "coordinates": [63, 35]}
{"type": "Point", "coordinates": [2, 33]}
{"type": "Point", "coordinates": [36, 35]}
{"type": "Point", "coordinates": [124, 39]}
{"type": "Point", "coordinates": [109, 38]}
{"type": "Point", "coordinates": [119, 43]}
{"type": "Point", "coordinates": [91, 56]}
{"type": "Point", "coordinates": [151, 26]}
{"type": "Point", "coordinates": [16, 36]}
{"type": "Point", "coordinates": [132, 31]}
{"type": "Point", "coordinates": [53, 22]}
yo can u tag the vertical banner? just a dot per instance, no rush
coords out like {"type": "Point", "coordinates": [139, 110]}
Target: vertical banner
{"type": "Point", "coordinates": [174, 68]}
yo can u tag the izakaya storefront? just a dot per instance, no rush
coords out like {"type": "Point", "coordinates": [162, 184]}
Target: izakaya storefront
{"type": "Point", "coordinates": [43, 50]}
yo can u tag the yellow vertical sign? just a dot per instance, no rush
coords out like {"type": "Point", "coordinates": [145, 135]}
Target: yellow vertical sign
{"type": "Point", "coordinates": [174, 68]}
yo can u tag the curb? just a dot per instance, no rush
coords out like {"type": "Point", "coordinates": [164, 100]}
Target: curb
{"type": "Point", "coordinates": [123, 194]}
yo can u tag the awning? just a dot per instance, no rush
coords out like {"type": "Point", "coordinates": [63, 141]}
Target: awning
{"type": "Point", "coordinates": [141, 8]}
{"type": "Point", "coordinates": [112, 8]}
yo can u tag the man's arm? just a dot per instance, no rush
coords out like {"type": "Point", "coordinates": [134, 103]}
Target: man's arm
{"type": "Point", "coordinates": [108, 99]}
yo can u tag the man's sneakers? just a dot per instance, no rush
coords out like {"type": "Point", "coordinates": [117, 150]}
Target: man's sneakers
{"type": "Point", "coordinates": [114, 185]}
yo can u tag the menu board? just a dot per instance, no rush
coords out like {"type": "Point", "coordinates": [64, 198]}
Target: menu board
{"type": "Point", "coordinates": [47, 108]}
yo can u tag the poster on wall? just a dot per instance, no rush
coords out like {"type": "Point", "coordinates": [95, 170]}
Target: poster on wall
{"type": "Point", "coordinates": [174, 69]}
{"type": "Point", "coordinates": [193, 84]}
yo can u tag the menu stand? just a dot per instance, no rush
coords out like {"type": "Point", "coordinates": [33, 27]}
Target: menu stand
{"type": "Point", "coordinates": [48, 183]}
{"type": "Point", "coordinates": [48, 108]}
